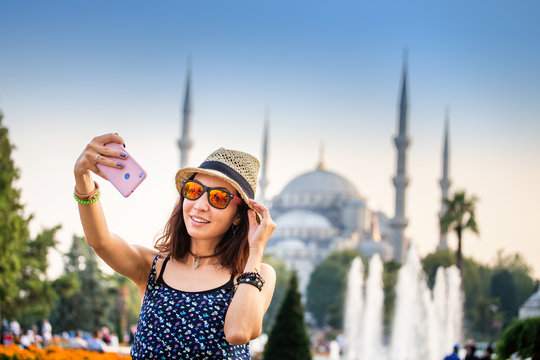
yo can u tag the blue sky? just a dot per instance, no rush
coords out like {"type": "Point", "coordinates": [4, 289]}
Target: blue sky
{"type": "Point", "coordinates": [328, 71]}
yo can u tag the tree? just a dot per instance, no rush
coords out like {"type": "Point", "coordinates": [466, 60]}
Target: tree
{"type": "Point", "coordinates": [25, 292]}
{"type": "Point", "coordinates": [289, 339]}
{"type": "Point", "coordinates": [521, 337]}
{"type": "Point", "coordinates": [459, 216]}
{"type": "Point", "coordinates": [124, 303]}
{"type": "Point", "coordinates": [511, 284]}
{"type": "Point", "coordinates": [36, 295]}
{"type": "Point", "coordinates": [13, 226]}
{"type": "Point", "coordinates": [87, 308]}
{"type": "Point", "coordinates": [283, 275]}
{"type": "Point", "coordinates": [433, 261]}
{"type": "Point", "coordinates": [326, 288]}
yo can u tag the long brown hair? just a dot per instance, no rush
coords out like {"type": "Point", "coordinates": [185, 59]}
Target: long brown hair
{"type": "Point", "coordinates": [233, 248]}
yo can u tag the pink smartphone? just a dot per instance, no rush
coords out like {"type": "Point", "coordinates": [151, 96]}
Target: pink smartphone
{"type": "Point", "coordinates": [127, 178]}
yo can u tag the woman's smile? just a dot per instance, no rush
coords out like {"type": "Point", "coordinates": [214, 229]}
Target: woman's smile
{"type": "Point", "coordinates": [198, 220]}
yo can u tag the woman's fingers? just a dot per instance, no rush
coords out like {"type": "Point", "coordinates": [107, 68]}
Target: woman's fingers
{"type": "Point", "coordinates": [252, 218]}
{"type": "Point", "coordinates": [97, 145]}
{"type": "Point", "coordinates": [107, 160]}
{"type": "Point", "coordinates": [267, 225]}
{"type": "Point", "coordinates": [263, 211]}
{"type": "Point", "coordinates": [259, 207]}
{"type": "Point", "coordinates": [97, 153]}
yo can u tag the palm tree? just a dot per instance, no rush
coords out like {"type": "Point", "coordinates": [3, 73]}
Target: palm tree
{"type": "Point", "coordinates": [459, 216]}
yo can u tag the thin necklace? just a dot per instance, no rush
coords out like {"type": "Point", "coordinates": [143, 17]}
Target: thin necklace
{"type": "Point", "coordinates": [199, 257]}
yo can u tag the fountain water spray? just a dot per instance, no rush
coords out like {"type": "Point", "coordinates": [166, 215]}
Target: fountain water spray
{"type": "Point", "coordinates": [353, 309]}
{"type": "Point", "coordinates": [373, 312]}
{"type": "Point", "coordinates": [426, 323]}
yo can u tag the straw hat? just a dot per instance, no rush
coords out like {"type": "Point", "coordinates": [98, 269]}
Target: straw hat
{"type": "Point", "coordinates": [235, 167]}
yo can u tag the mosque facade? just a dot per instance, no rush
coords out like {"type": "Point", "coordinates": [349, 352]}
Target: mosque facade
{"type": "Point", "coordinates": [320, 211]}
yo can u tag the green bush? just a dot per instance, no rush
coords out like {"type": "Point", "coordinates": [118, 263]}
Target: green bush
{"type": "Point", "coordinates": [521, 337]}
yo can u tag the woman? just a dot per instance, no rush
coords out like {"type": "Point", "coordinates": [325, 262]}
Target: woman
{"type": "Point", "coordinates": [205, 289]}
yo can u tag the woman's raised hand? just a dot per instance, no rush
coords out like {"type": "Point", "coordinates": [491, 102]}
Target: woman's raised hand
{"type": "Point", "coordinates": [95, 153]}
{"type": "Point", "coordinates": [259, 234]}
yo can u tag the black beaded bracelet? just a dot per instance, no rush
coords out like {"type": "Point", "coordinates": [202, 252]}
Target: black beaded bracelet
{"type": "Point", "coordinates": [252, 278]}
{"type": "Point", "coordinates": [258, 283]}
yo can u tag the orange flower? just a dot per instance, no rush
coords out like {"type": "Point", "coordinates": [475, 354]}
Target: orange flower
{"type": "Point", "coordinates": [53, 352]}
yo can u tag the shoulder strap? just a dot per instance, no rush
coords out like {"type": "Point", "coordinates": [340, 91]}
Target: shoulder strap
{"type": "Point", "coordinates": [160, 277]}
{"type": "Point", "coordinates": [152, 275]}
{"type": "Point", "coordinates": [230, 283]}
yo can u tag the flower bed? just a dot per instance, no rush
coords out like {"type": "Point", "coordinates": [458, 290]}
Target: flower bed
{"type": "Point", "coordinates": [13, 352]}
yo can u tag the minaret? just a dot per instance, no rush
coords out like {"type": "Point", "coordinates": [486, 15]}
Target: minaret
{"type": "Point", "coordinates": [444, 182]}
{"type": "Point", "coordinates": [402, 141]}
{"type": "Point", "coordinates": [263, 180]}
{"type": "Point", "coordinates": [320, 164]}
{"type": "Point", "coordinates": [185, 143]}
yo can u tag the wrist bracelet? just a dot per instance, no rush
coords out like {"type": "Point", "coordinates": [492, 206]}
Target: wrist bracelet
{"type": "Point", "coordinates": [252, 278]}
{"type": "Point", "coordinates": [89, 198]}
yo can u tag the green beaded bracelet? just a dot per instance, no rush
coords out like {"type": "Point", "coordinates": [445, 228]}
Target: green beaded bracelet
{"type": "Point", "coordinates": [96, 198]}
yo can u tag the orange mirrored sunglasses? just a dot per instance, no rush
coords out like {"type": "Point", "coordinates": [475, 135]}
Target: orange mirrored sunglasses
{"type": "Point", "coordinates": [217, 197]}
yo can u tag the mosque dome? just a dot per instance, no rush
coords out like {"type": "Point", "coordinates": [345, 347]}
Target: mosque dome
{"type": "Point", "coordinates": [319, 187]}
{"type": "Point", "coordinates": [320, 180]}
{"type": "Point", "coordinates": [292, 247]}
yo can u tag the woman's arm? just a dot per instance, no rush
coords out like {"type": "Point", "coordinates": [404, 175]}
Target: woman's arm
{"type": "Point", "coordinates": [243, 321]}
{"type": "Point", "coordinates": [130, 261]}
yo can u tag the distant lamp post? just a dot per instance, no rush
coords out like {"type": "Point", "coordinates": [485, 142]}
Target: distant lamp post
{"type": "Point", "coordinates": [495, 324]}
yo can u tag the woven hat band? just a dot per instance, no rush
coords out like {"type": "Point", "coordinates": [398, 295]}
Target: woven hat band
{"type": "Point", "coordinates": [231, 173]}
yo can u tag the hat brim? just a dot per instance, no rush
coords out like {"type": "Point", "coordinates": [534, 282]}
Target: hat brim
{"type": "Point", "coordinates": [186, 173]}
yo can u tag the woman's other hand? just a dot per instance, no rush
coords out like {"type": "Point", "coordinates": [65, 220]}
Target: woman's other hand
{"type": "Point", "coordinates": [259, 234]}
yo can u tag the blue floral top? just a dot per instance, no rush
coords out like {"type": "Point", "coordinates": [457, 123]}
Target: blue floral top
{"type": "Point", "coordinates": [175, 324]}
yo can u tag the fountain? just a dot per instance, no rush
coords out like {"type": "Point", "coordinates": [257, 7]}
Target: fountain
{"type": "Point", "coordinates": [426, 323]}
{"type": "Point", "coordinates": [353, 308]}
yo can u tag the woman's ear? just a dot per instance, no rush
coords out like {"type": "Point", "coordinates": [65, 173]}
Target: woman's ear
{"type": "Point", "coordinates": [237, 219]}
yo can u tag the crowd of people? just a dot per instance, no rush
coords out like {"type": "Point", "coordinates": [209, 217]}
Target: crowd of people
{"type": "Point", "coordinates": [13, 333]}
{"type": "Point", "coordinates": [100, 340]}
{"type": "Point", "coordinates": [471, 352]}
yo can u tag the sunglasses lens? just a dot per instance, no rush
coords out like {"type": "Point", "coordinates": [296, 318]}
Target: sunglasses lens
{"type": "Point", "coordinates": [219, 199]}
{"type": "Point", "coordinates": [192, 190]}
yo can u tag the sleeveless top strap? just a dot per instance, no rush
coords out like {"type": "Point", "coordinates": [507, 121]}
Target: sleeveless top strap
{"type": "Point", "coordinates": [230, 284]}
{"type": "Point", "coordinates": [152, 275]}
{"type": "Point", "coordinates": [160, 276]}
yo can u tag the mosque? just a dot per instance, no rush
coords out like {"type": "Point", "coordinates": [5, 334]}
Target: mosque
{"type": "Point", "coordinates": [320, 211]}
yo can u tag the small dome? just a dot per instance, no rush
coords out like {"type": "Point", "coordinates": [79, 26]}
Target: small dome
{"type": "Point", "coordinates": [304, 224]}
{"type": "Point", "coordinates": [289, 248]}
{"type": "Point", "coordinates": [292, 245]}
{"type": "Point", "coordinates": [383, 248]}
{"type": "Point", "coordinates": [531, 307]}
